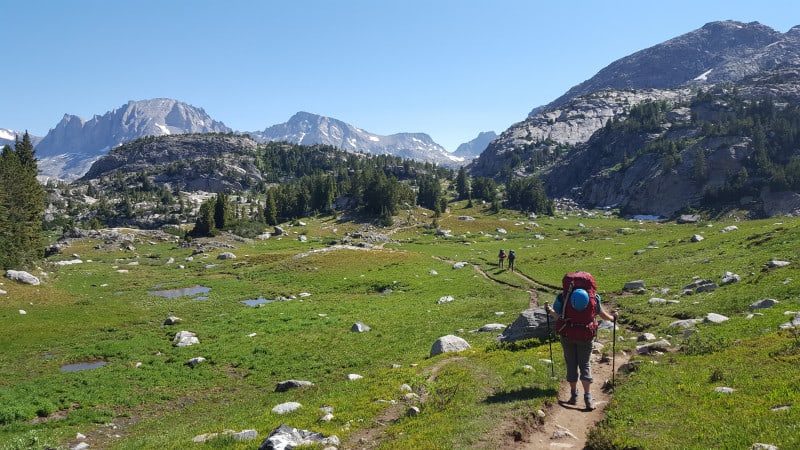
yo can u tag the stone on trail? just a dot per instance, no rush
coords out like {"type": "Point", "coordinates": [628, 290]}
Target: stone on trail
{"type": "Point", "coordinates": [531, 323]}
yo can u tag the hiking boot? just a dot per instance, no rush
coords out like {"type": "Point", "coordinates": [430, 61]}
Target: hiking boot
{"type": "Point", "coordinates": [590, 405]}
{"type": "Point", "coordinates": [573, 399]}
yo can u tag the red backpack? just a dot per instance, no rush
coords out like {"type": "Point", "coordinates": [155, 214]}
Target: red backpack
{"type": "Point", "coordinates": [572, 324]}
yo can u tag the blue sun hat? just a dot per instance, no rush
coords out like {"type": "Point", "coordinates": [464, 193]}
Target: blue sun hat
{"type": "Point", "coordinates": [579, 299]}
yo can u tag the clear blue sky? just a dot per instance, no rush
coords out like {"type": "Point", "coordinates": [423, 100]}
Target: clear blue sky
{"type": "Point", "coordinates": [447, 68]}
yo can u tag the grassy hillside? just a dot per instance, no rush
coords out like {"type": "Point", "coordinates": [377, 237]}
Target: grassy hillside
{"type": "Point", "coordinates": [147, 396]}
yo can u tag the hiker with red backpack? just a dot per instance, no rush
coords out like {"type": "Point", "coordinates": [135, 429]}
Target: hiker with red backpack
{"type": "Point", "coordinates": [575, 310]}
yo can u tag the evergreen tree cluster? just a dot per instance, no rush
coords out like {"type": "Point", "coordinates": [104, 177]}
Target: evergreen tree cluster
{"type": "Point", "coordinates": [22, 203]}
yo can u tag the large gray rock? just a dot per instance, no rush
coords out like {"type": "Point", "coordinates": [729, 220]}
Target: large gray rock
{"type": "Point", "coordinates": [763, 304]}
{"type": "Point", "coordinates": [185, 339]}
{"type": "Point", "coordinates": [449, 344]}
{"type": "Point", "coordinates": [284, 386]}
{"type": "Point", "coordinates": [22, 277]}
{"type": "Point", "coordinates": [531, 323]}
{"type": "Point", "coordinates": [285, 438]}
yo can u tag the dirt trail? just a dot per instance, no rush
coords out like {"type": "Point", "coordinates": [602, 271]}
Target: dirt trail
{"type": "Point", "coordinates": [565, 426]}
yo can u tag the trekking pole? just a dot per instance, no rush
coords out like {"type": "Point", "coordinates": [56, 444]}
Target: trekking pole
{"type": "Point", "coordinates": [613, 351]}
{"type": "Point", "coordinates": [550, 341]}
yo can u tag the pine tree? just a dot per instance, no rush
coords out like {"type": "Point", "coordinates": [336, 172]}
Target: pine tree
{"type": "Point", "coordinates": [21, 241]}
{"type": "Point", "coordinates": [462, 183]}
{"type": "Point", "coordinates": [271, 209]}
{"type": "Point", "coordinates": [204, 224]}
{"type": "Point", "coordinates": [222, 211]}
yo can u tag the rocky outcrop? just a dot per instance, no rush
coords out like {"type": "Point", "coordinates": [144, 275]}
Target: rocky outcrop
{"type": "Point", "coordinates": [202, 162]}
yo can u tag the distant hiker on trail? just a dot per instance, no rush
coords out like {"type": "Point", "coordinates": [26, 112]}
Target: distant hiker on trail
{"type": "Point", "coordinates": [501, 258]}
{"type": "Point", "coordinates": [575, 311]}
{"type": "Point", "coordinates": [511, 257]}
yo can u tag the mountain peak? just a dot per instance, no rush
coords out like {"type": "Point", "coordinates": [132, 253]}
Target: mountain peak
{"type": "Point", "coordinates": [309, 129]}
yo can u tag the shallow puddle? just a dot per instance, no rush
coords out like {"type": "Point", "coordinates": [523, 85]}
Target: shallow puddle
{"type": "Point", "coordinates": [82, 366]}
{"type": "Point", "coordinates": [181, 292]}
{"type": "Point", "coordinates": [257, 301]}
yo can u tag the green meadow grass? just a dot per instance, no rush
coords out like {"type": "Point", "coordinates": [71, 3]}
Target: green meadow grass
{"type": "Point", "coordinates": [101, 310]}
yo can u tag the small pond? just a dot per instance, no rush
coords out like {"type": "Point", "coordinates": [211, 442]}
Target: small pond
{"type": "Point", "coordinates": [181, 292]}
{"type": "Point", "coordinates": [257, 301]}
{"type": "Point", "coordinates": [82, 366]}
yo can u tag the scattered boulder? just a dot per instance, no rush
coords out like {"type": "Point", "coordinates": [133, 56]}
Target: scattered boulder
{"type": "Point", "coordinates": [172, 320]}
{"type": "Point", "coordinates": [715, 318]}
{"type": "Point", "coordinates": [360, 327]}
{"type": "Point", "coordinates": [686, 323]}
{"type": "Point", "coordinates": [763, 304]}
{"type": "Point", "coordinates": [661, 346]}
{"type": "Point", "coordinates": [688, 218]}
{"type": "Point", "coordinates": [279, 231]}
{"type": "Point", "coordinates": [195, 361]}
{"type": "Point", "coordinates": [699, 286]}
{"type": "Point", "coordinates": [285, 438]}
{"type": "Point", "coordinates": [226, 255]}
{"type": "Point", "coordinates": [646, 337]}
{"type": "Point", "coordinates": [284, 386]}
{"type": "Point", "coordinates": [773, 263]}
{"type": "Point", "coordinates": [724, 390]}
{"type": "Point", "coordinates": [445, 299]}
{"type": "Point", "coordinates": [22, 277]}
{"type": "Point", "coordinates": [492, 327]}
{"type": "Point", "coordinates": [760, 446]}
{"type": "Point", "coordinates": [185, 339]}
{"type": "Point", "coordinates": [354, 376]}
{"type": "Point", "coordinates": [302, 238]}
{"type": "Point", "coordinates": [459, 265]}
{"type": "Point", "coordinates": [245, 435]}
{"type": "Point", "coordinates": [697, 238]}
{"type": "Point", "coordinates": [448, 344]}
{"type": "Point", "coordinates": [729, 278]}
{"type": "Point", "coordinates": [633, 285]}
{"type": "Point", "coordinates": [413, 411]}
{"type": "Point", "coordinates": [792, 324]}
{"type": "Point", "coordinates": [287, 407]}
{"type": "Point", "coordinates": [531, 323]}
{"type": "Point", "coordinates": [729, 228]}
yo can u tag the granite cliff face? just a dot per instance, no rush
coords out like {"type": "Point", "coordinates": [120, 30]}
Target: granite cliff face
{"type": "Point", "coordinates": [560, 141]}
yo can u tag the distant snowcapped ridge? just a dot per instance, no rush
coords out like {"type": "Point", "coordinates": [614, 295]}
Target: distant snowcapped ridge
{"type": "Point", "coordinates": [70, 149]}
{"type": "Point", "coordinates": [308, 129]}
